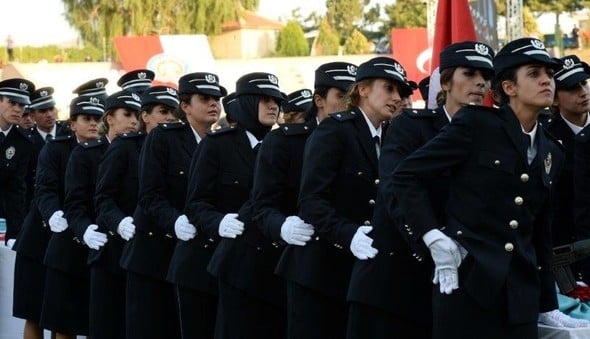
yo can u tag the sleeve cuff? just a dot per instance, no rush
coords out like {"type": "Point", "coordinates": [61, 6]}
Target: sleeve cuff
{"type": "Point", "coordinates": [432, 236]}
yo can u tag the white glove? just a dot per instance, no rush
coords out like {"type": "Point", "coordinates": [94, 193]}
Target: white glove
{"type": "Point", "coordinates": [57, 223]}
{"type": "Point", "coordinates": [295, 231]}
{"type": "Point", "coordinates": [94, 239]}
{"type": "Point", "coordinates": [230, 226]}
{"type": "Point", "coordinates": [447, 258]}
{"type": "Point", "coordinates": [10, 243]}
{"type": "Point", "coordinates": [126, 228]}
{"type": "Point", "coordinates": [556, 318]}
{"type": "Point", "coordinates": [184, 229]}
{"type": "Point", "coordinates": [360, 245]}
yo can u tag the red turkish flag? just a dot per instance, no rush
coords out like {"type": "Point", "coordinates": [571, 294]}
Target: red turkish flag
{"type": "Point", "coordinates": [453, 24]}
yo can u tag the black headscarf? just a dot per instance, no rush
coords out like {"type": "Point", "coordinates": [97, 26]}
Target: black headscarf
{"type": "Point", "coordinates": [246, 115]}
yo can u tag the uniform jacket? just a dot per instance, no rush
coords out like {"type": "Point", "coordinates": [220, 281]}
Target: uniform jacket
{"type": "Point", "coordinates": [498, 208]}
{"type": "Point", "coordinates": [337, 196]}
{"type": "Point", "coordinates": [563, 229]}
{"type": "Point", "coordinates": [117, 186]}
{"type": "Point", "coordinates": [163, 178]}
{"type": "Point", "coordinates": [581, 193]}
{"type": "Point", "coordinates": [398, 279]}
{"type": "Point", "coordinates": [81, 173]}
{"type": "Point", "coordinates": [15, 153]}
{"type": "Point", "coordinates": [48, 197]}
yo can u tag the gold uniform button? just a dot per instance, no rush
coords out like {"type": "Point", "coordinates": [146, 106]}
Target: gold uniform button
{"type": "Point", "coordinates": [372, 202]}
{"type": "Point", "coordinates": [524, 177]}
{"type": "Point", "coordinates": [513, 224]}
{"type": "Point", "coordinates": [509, 247]}
{"type": "Point", "coordinates": [518, 201]}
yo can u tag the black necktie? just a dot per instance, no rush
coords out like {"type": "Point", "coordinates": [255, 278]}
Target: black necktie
{"type": "Point", "coordinates": [48, 137]}
{"type": "Point", "coordinates": [2, 136]}
{"type": "Point", "coordinates": [256, 148]}
{"type": "Point", "coordinates": [377, 145]}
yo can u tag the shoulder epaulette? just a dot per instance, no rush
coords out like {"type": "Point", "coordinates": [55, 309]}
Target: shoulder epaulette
{"type": "Point", "coordinates": [583, 136]}
{"type": "Point", "coordinates": [61, 138]}
{"type": "Point", "coordinates": [550, 136]}
{"type": "Point", "coordinates": [420, 113]}
{"type": "Point", "coordinates": [132, 135]}
{"type": "Point", "coordinates": [344, 115]}
{"type": "Point", "coordinates": [224, 130]}
{"type": "Point", "coordinates": [24, 132]}
{"type": "Point", "coordinates": [92, 143]}
{"type": "Point", "coordinates": [173, 125]}
{"type": "Point", "coordinates": [295, 129]}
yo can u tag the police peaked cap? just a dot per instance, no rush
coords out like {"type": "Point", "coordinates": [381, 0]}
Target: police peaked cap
{"type": "Point", "coordinates": [42, 98]}
{"type": "Point", "coordinates": [335, 74]}
{"type": "Point", "coordinates": [201, 83]}
{"type": "Point", "coordinates": [89, 105]}
{"type": "Point", "coordinates": [137, 80]}
{"type": "Point", "coordinates": [521, 52]}
{"type": "Point", "coordinates": [467, 54]}
{"type": "Point", "coordinates": [123, 99]}
{"type": "Point", "coordinates": [298, 101]}
{"type": "Point", "coordinates": [17, 89]}
{"type": "Point", "coordinates": [385, 68]}
{"type": "Point", "coordinates": [261, 84]}
{"type": "Point", "coordinates": [92, 88]}
{"type": "Point", "coordinates": [162, 95]}
{"type": "Point", "coordinates": [572, 72]}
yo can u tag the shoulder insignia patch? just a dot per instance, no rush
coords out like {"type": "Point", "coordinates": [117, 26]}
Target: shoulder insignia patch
{"type": "Point", "coordinates": [345, 115]}
{"type": "Point", "coordinates": [173, 125]}
{"type": "Point", "coordinates": [420, 113]}
{"type": "Point", "coordinates": [132, 135]}
{"type": "Point", "coordinates": [92, 143]}
{"type": "Point", "coordinates": [61, 138]}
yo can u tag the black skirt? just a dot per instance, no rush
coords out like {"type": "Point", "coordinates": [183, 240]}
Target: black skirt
{"type": "Point", "coordinates": [29, 286]}
{"type": "Point", "coordinates": [107, 304]}
{"type": "Point", "coordinates": [65, 303]}
{"type": "Point", "coordinates": [151, 308]}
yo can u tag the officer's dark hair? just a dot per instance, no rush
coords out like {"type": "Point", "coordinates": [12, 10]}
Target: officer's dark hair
{"type": "Point", "coordinates": [312, 111]}
{"type": "Point", "coordinates": [353, 97]}
{"type": "Point", "coordinates": [508, 74]}
{"type": "Point", "coordinates": [179, 113]}
{"type": "Point", "coordinates": [103, 129]}
{"type": "Point", "coordinates": [145, 108]}
{"type": "Point", "coordinates": [446, 76]}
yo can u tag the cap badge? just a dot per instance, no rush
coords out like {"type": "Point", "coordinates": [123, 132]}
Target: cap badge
{"type": "Point", "coordinates": [171, 90]}
{"type": "Point", "coordinates": [23, 86]}
{"type": "Point", "coordinates": [351, 69]}
{"type": "Point", "coordinates": [141, 75]}
{"type": "Point", "coordinates": [99, 84]}
{"type": "Point", "coordinates": [568, 63]}
{"type": "Point", "coordinates": [273, 79]}
{"type": "Point", "coordinates": [306, 94]}
{"type": "Point", "coordinates": [10, 151]}
{"type": "Point", "coordinates": [210, 78]}
{"type": "Point", "coordinates": [547, 162]}
{"type": "Point", "coordinates": [399, 68]}
{"type": "Point", "coordinates": [537, 44]}
{"type": "Point", "coordinates": [135, 97]}
{"type": "Point", "coordinates": [94, 101]}
{"type": "Point", "coordinates": [481, 49]}
{"type": "Point", "coordinates": [43, 93]}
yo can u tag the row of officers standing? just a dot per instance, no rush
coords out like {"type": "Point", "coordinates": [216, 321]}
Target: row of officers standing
{"type": "Point", "coordinates": [353, 220]}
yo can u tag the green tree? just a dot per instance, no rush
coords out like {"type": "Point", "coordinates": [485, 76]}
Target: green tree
{"type": "Point", "coordinates": [291, 41]}
{"type": "Point", "coordinates": [405, 14]}
{"type": "Point", "coordinates": [327, 42]}
{"type": "Point", "coordinates": [356, 43]}
{"type": "Point", "coordinates": [99, 21]}
{"type": "Point", "coordinates": [343, 14]}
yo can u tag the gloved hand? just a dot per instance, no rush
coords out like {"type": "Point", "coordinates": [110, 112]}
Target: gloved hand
{"type": "Point", "coordinates": [556, 318]}
{"type": "Point", "coordinates": [126, 229]}
{"type": "Point", "coordinates": [447, 258]}
{"type": "Point", "coordinates": [94, 239]}
{"type": "Point", "coordinates": [184, 229]}
{"type": "Point", "coordinates": [57, 223]}
{"type": "Point", "coordinates": [230, 226]}
{"type": "Point", "coordinates": [295, 231]}
{"type": "Point", "coordinates": [360, 245]}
